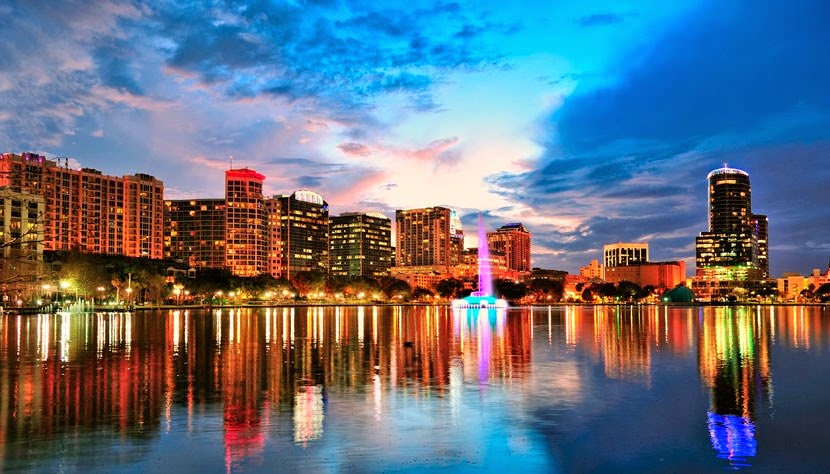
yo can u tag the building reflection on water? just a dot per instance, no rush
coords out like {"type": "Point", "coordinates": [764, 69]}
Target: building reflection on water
{"type": "Point", "coordinates": [734, 363]}
{"type": "Point", "coordinates": [131, 373]}
{"type": "Point", "coordinates": [270, 372]}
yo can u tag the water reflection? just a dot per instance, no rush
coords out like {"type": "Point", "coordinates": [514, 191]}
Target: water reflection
{"type": "Point", "coordinates": [734, 361]}
{"type": "Point", "coordinates": [270, 378]}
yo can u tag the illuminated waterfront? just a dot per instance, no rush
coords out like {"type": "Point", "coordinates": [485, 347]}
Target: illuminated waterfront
{"type": "Point", "coordinates": [413, 388]}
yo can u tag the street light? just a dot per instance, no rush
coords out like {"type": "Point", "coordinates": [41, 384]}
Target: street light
{"type": "Point", "coordinates": [100, 294]}
{"type": "Point", "coordinates": [177, 290]}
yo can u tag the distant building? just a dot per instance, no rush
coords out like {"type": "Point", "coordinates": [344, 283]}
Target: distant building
{"type": "Point", "coordinates": [467, 270]}
{"type": "Point", "coordinates": [790, 286]}
{"type": "Point", "coordinates": [423, 237]}
{"type": "Point", "coordinates": [622, 254]}
{"type": "Point", "coordinates": [592, 270]}
{"type": "Point", "coordinates": [360, 244]}
{"type": "Point", "coordinates": [88, 211]}
{"type": "Point", "coordinates": [245, 219]}
{"type": "Point", "coordinates": [512, 240]}
{"type": "Point", "coordinates": [425, 276]}
{"type": "Point", "coordinates": [760, 228]}
{"type": "Point", "coordinates": [660, 275]}
{"type": "Point", "coordinates": [298, 234]}
{"type": "Point", "coordinates": [194, 232]}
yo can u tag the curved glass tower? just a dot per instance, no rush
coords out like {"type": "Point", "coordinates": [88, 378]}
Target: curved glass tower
{"type": "Point", "coordinates": [736, 243]}
{"type": "Point", "coordinates": [730, 201]}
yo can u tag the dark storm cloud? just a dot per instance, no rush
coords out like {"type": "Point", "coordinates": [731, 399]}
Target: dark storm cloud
{"type": "Point", "coordinates": [309, 182]}
{"type": "Point", "coordinates": [113, 63]}
{"type": "Point", "coordinates": [729, 83]}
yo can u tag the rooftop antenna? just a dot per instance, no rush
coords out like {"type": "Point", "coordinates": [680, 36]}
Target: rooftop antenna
{"type": "Point", "coordinates": [230, 157]}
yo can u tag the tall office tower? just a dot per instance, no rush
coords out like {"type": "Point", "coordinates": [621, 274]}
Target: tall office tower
{"type": "Point", "coordinates": [300, 241]}
{"type": "Point", "coordinates": [512, 240]}
{"type": "Point", "coordinates": [760, 227]}
{"type": "Point", "coordinates": [730, 241]}
{"type": "Point", "coordinates": [88, 211]}
{"type": "Point", "coordinates": [622, 254]}
{"type": "Point", "coordinates": [245, 219]}
{"type": "Point", "coordinates": [360, 244]}
{"type": "Point", "coordinates": [735, 249]}
{"type": "Point", "coordinates": [143, 216]}
{"type": "Point", "coordinates": [423, 237]}
{"type": "Point", "coordinates": [194, 232]}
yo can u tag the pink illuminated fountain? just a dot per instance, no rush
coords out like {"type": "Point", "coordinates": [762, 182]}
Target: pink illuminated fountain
{"type": "Point", "coordinates": [483, 298]}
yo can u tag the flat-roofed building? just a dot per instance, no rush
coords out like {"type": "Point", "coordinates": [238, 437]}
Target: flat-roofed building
{"type": "Point", "coordinates": [298, 238]}
{"type": "Point", "coordinates": [660, 275]}
{"type": "Point", "coordinates": [360, 244]}
{"type": "Point", "coordinates": [423, 237]}
{"type": "Point", "coordinates": [245, 220]}
{"type": "Point", "coordinates": [624, 253]}
{"type": "Point", "coordinates": [195, 232]}
{"type": "Point", "coordinates": [88, 211]}
{"type": "Point", "coordinates": [513, 241]}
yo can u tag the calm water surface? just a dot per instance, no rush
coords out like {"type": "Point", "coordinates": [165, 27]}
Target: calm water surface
{"type": "Point", "coordinates": [378, 389]}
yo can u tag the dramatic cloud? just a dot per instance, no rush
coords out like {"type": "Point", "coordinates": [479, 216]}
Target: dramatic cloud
{"type": "Point", "coordinates": [726, 84]}
{"type": "Point", "coordinates": [589, 126]}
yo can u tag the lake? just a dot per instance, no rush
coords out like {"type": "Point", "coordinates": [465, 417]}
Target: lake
{"type": "Point", "coordinates": [418, 388]}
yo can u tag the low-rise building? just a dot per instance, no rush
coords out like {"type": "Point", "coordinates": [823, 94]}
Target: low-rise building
{"type": "Point", "coordinates": [660, 275]}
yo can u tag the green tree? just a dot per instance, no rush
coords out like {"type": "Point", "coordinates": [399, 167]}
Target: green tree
{"type": "Point", "coordinates": [587, 295]}
{"type": "Point", "coordinates": [449, 287]}
{"type": "Point", "coordinates": [606, 291]}
{"type": "Point", "coordinates": [420, 294]}
{"type": "Point", "coordinates": [509, 289]}
{"type": "Point", "coordinates": [308, 282]}
{"type": "Point", "coordinates": [545, 289]}
{"type": "Point", "coordinates": [629, 291]}
{"type": "Point", "coordinates": [395, 288]}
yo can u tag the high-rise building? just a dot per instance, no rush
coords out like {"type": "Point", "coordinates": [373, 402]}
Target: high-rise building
{"type": "Point", "coordinates": [300, 240]}
{"type": "Point", "coordinates": [736, 246]}
{"type": "Point", "coordinates": [423, 237]}
{"type": "Point", "coordinates": [731, 240]}
{"type": "Point", "coordinates": [245, 220]}
{"type": "Point", "coordinates": [195, 232]}
{"type": "Point", "coordinates": [760, 227]}
{"type": "Point", "coordinates": [512, 240]}
{"type": "Point", "coordinates": [88, 211]}
{"type": "Point", "coordinates": [143, 216]}
{"type": "Point", "coordinates": [360, 244]}
{"type": "Point", "coordinates": [622, 254]}
{"type": "Point", "coordinates": [21, 240]}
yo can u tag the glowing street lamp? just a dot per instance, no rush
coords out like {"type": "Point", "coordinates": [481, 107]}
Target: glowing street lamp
{"type": "Point", "coordinates": [177, 290]}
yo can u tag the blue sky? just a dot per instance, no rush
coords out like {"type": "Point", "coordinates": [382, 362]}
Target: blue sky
{"type": "Point", "coordinates": [590, 122]}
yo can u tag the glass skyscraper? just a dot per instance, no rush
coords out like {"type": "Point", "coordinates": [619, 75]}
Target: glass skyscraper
{"type": "Point", "coordinates": [737, 241]}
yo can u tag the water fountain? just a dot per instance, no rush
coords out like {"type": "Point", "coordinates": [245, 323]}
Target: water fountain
{"type": "Point", "coordinates": [483, 298]}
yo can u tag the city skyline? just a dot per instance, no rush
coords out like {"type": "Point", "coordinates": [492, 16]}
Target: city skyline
{"type": "Point", "coordinates": [589, 124]}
